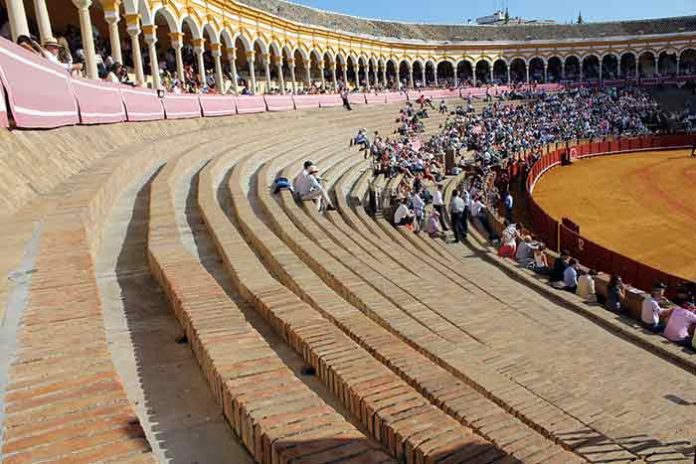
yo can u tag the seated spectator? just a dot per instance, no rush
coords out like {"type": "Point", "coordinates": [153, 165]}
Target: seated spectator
{"type": "Point", "coordinates": [616, 293]}
{"type": "Point", "coordinates": [403, 216]}
{"type": "Point", "coordinates": [300, 182]}
{"type": "Point", "coordinates": [508, 246]}
{"type": "Point", "coordinates": [114, 75]}
{"type": "Point", "coordinates": [677, 329]}
{"type": "Point", "coordinates": [586, 286]}
{"type": "Point", "coordinates": [559, 267]}
{"type": "Point", "coordinates": [418, 206]}
{"type": "Point", "coordinates": [313, 190]}
{"type": "Point", "coordinates": [570, 276]}
{"type": "Point", "coordinates": [433, 227]}
{"type": "Point", "coordinates": [28, 44]}
{"type": "Point", "coordinates": [525, 251]}
{"type": "Point", "coordinates": [651, 309]}
{"type": "Point", "coordinates": [443, 107]}
{"type": "Point", "coordinates": [541, 261]}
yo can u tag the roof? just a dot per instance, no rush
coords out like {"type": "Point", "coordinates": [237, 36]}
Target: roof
{"type": "Point", "coordinates": [466, 33]}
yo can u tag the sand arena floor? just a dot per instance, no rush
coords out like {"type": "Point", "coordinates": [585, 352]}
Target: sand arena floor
{"type": "Point", "coordinates": [642, 205]}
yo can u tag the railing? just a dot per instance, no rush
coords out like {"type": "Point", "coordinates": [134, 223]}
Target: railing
{"type": "Point", "coordinates": [561, 236]}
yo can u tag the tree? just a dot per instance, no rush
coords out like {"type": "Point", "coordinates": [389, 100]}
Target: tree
{"type": "Point", "coordinates": [580, 20]}
{"type": "Point", "coordinates": [507, 16]}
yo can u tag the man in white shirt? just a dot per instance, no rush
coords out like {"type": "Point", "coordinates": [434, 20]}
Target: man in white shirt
{"type": "Point", "coordinates": [301, 181]}
{"type": "Point", "coordinates": [457, 218]}
{"type": "Point", "coordinates": [439, 205]}
{"type": "Point", "coordinates": [403, 215]}
{"type": "Point", "coordinates": [508, 202]}
{"type": "Point", "coordinates": [313, 190]}
{"type": "Point", "coordinates": [651, 311]}
{"type": "Point", "coordinates": [570, 276]}
{"type": "Point", "coordinates": [586, 286]}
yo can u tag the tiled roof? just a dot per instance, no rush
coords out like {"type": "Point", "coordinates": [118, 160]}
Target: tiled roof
{"type": "Point", "coordinates": [460, 33]}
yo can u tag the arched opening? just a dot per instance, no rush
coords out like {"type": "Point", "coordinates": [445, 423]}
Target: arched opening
{"type": "Point", "coordinates": [429, 73]}
{"type": "Point", "coordinates": [610, 67]}
{"type": "Point", "coordinates": [465, 73]}
{"type": "Point", "coordinates": [329, 63]}
{"type": "Point", "coordinates": [687, 62]}
{"type": "Point", "coordinates": [667, 63]}
{"type": "Point", "coordinates": [627, 68]}
{"type": "Point", "coordinates": [418, 74]}
{"type": "Point", "coordinates": [590, 68]}
{"type": "Point", "coordinates": [536, 70]}
{"type": "Point", "coordinates": [242, 47]}
{"type": "Point", "coordinates": [445, 74]}
{"type": "Point", "coordinates": [211, 41]}
{"type": "Point", "coordinates": [404, 71]}
{"type": "Point", "coordinates": [518, 70]}
{"type": "Point", "coordinates": [554, 69]}
{"type": "Point", "coordinates": [646, 64]}
{"type": "Point", "coordinates": [260, 51]}
{"type": "Point", "coordinates": [316, 61]}
{"type": "Point", "coordinates": [391, 73]}
{"type": "Point", "coordinates": [276, 67]}
{"type": "Point", "coordinates": [500, 72]}
{"type": "Point", "coordinates": [301, 68]}
{"type": "Point", "coordinates": [227, 63]}
{"type": "Point", "coordinates": [165, 25]}
{"type": "Point", "coordinates": [483, 72]}
{"type": "Point", "coordinates": [352, 73]}
{"type": "Point", "coordinates": [341, 70]}
{"type": "Point", "coordinates": [192, 71]}
{"type": "Point", "coordinates": [572, 68]}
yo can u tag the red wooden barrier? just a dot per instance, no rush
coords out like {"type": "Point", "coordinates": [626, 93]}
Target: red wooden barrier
{"type": "Point", "coordinates": [327, 101]}
{"type": "Point", "coordinates": [218, 105]}
{"type": "Point", "coordinates": [181, 106]}
{"type": "Point", "coordinates": [308, 101]}
{"type": "Point", "coordinates": [375, 99]}
{"type": "Point", "coordinates": [279, 102]}
{"type": "Point", "coordinates": [142, 104]}
{"type": "Point", "coordinates": [250, 104]}
{"type": "Point", "coordinates": [99, 102]}
{"type": "Point", "coordinates": [356, 98]}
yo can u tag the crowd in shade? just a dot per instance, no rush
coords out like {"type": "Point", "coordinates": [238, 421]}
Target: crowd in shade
{"type": "Point", "coordinates": [505, 132]}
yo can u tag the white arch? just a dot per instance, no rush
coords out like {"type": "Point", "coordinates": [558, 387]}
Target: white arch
{"type": "Point", "coordinates": [168, 16]}
{"type": "Point", "coordinates": [262, 45]}
{"type": "Point", "coordinates": [213, 36]}
{"type": "Point", "coordinates": [227, 38]}
{"type": "Point", "coordinates": [246, 42]}
{"type": "Point", "coordinates": [193, 26]}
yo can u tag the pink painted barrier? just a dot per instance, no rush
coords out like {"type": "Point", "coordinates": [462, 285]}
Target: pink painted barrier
{"type": "Point", "coordinates": [181, 106]}
{"type": "Point", "coordinates": [218, 105]}
{"type": "Point", "coordinates": [99, 102]}
{"type": "Point", "coordinates": [279, 103]}
{"type": "Point", "coordinates": [3, 110]}
{"type": "Point", "coordinates": [393, 97]}
{"type": "Point", "coordinates": [250, 104]}
{"type": "Point", "coordinates": [327, 101]}
{"type": "Point", "coordinates": [375, 98]}
{"type": "Point", "coordinates": [39, 92]}
{"type": "Point", "coordinates": [142, 104]}
{"type": "Point", "coordinates": [356, 98]}
{"type": "Point", "coordinates": [308, 101]}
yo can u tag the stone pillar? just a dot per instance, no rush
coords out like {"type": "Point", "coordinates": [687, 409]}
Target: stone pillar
{"type": "Point", "coordinates": [656, 72]}
{"type": "Point", "coordinates": [133, 23]}
{"type": "Point", "coordinates": [333, 75]}
{"type": "Point", "coordinates": [345, 74]}
{"type": "Point", "coordinates": [177, 39]}
{"type": "Point", "coordinates": [384, 75]}
{"type": "Point", "coordinates": [198, 49]}
{"type": "Point", "coordinates": [251, 56]}
{"type": "Point", "coordinates": [473, 75]}
{"type": "Point", "coordinates": [266, 57]}
{"type": "Point", "coordinates": [150, 37]}
{"type": "Point", "coordinates": [456, 77]}
{"type": "Point", "coordinates": [581, 73]}
{"type": "Point", "coordinates": [375, 82]}
{"type": "Point", "coordinates": [546, 73]}
{"type": "Point", "coordinates": [232, 58]}
{"type": "Point", "coordinates": [216, 52]}
{"type": "Point", "coordinates": [308, 73]}
{"type": "Point", "coordinates": [43, 20]}
{"type": "Point", "coordinates": [357, 75]}
{"type": "Point", "coordinates": [87, 37]}
{"type": "Point", "coordinates": [563, 76]}
{"type": "Point", "coordinates": [435, 74]}
{"type": "Point", "coordinates": [527, 69]}
{"type": "Point", "coordinates": [601, 76]}
{"type": "Point", "coordinates": [637, 68]}
{"type": "Point", "coordinates": [291, 65]}
{"type": "Point", "coordinates": [410, 77]}
{"type": "Point", "coordinates": [678, 60]}
{"type": "Point", "coordinates": [508, 73]}
{"type": "Point", "coordinates": [321, 73]}
{"type": "Point", "coordinates": [111, 15]}
{"type": "Point", "coordinates": [279, 68]}
{"type": "Point", "coordinates": [18, 18]}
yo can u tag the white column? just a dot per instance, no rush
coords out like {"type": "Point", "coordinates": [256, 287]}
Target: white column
{"type": "Point", "coordinates": [375, 68]}
{"type": "Point", "coordinates": [678, 59]}
{"type": "Point", "coordinates": [291, 65]}
{"type": "Point", "coordinates": [601, 77]}
{"type": "Point", "coordinates": [232, 58]}
{"type": "Point", "coordinates": [656, 71]}
{"type": "Point", "coordinates": [435, 74]}
{"type": "Point", "coordinates": [456, 76]}
{"type": "Point", "coordinates": [281, 78]}
{"type": "Point", "coordinates": [490, 67]}
{"type": "Point", "coordinates": [251, 56]}
{"type": "Point", "coordinates": [423, 75]}
{"type": "Point", "coordinates": [177, 40]}
{"type": "Point", "coordinates": [473, 74]}
{"type": "Point", "coordinates": [267, 70]}
{"type": "Point", "coordinates": [333, 76]}
{"type": "Point", "coordinates": [18, 18]}
{"type": "Point", "coordinates": [150, 37]}
{"type": "Point", "coordinates": [508, 73]}
{"type": "Point", "coordinates": [217, 54]}
{"type": "Point", "coordinates": [637, 68]}
{"type": "Point", "coordinates": [43, 20]}
{"type": "Point", "coordinates": [321, 72]}
{"type": "Point", "coordinates": [527, 68]}
{"type": "Point", "coordinates": [198, 49]}
{"type": "Point", "coordinates": [112, 17]}
{"type": "Point", "coordinates": [345, 74]}
{"type": "Point", "coordinates": [410, 77]}
{"type": "Point", "coordinates": [581, 73]}
{"type": "Point", "coordinates": [308, 73]}
{"type": "Point", "coordinates": [563, 70]}
{"type": "Point", "coordinates": [134, 33]}
{"type": "Point", "coordinates": [546, 73]}
{"type": "Point", "coordinates": [87, 37]}
{"type": "Point", "coordinates": [357, 75]}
